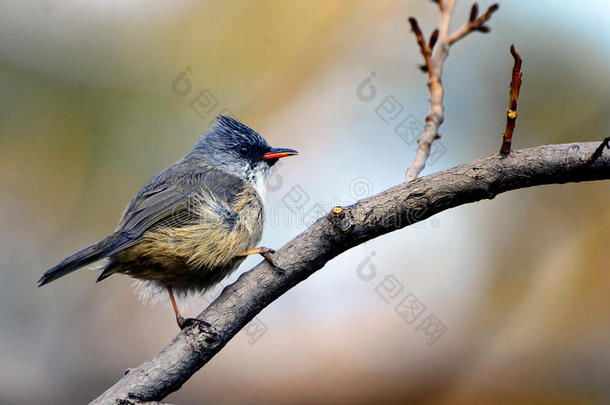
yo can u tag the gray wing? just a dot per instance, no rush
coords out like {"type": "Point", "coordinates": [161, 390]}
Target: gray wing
{"type": "Point", "coordinates": [167, 200]}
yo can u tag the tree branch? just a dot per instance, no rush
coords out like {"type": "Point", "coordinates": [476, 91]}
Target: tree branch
{"type": "Point", "coordinates": [434, 66]}
{"type": "Point", "coordinates": [339, 231]}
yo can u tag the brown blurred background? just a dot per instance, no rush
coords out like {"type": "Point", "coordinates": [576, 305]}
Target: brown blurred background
{"type": "Point", "coordinates": [89, 112]}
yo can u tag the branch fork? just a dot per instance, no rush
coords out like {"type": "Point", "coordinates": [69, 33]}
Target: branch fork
{"type": "Point", "coordinates": [433, 65]}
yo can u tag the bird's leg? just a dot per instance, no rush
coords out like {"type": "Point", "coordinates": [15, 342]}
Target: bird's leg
{"type": "Point", "coordinates": [266, 253]}
{"type": "Point", "coordinates": [179, 317]}
{"type": "Point", "coordinates": [263, 251]}
{"type": "Point", "coordinates": [182, 323]}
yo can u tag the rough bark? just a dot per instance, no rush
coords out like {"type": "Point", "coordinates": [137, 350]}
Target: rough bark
{"type": "Point", "coordinates": [331, 235]}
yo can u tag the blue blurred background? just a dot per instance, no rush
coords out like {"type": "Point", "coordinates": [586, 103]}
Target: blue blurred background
{"type": "Point", "coordinates": [98, 96]}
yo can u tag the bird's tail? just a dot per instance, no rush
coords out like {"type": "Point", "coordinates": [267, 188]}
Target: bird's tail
{"type": "Point", "coordinates": [86, 256]}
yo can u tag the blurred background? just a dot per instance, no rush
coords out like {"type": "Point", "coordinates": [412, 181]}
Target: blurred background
{"type": "Point", "coordinates": [470, 306]}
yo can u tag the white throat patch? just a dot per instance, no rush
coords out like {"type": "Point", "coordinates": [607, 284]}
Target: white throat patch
{"type": "Point", "coordinates": [258, 177]}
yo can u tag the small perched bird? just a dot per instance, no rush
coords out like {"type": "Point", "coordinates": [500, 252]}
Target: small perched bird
{"type": "Point", "coordinates": [193, 223]}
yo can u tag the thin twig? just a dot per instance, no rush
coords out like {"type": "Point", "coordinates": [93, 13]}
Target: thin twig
{"type": "Point", "coordinates": [511, 115]}
{"type": "Point", "coordinates": [423, 47]}
{"type": "Point", "coordinates": [434, 57]}
{"type": "Point", "coordinates": [434, 66]}
{"type": "Point", "coordinates": [474, 23]}
{"type": "Point", "coordinates": [597, 153]}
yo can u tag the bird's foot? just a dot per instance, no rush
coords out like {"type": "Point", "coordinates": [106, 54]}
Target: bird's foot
{"type": "Point", "coordinates": [266, 253]}
{"type": "Point", "coordinates": [185, 323]}
{"type": "Point", "coordinates": [267, 256]}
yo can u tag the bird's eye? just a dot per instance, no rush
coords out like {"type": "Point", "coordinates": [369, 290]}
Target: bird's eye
{"type": "Point", "coordinates": [244, 151]}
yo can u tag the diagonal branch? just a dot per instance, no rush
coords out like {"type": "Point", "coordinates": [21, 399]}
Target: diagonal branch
{"type": "Point", "coordinates": [434, 60]}
{"type": "Point", "coordinates": [339, 231]}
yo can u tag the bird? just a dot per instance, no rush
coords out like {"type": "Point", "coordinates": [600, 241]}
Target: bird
{"type": "Point", "coordinates": [193, 223]}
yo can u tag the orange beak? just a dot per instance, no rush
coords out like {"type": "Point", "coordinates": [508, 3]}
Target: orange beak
{"type": "Point", "coordinates": [277, 153]}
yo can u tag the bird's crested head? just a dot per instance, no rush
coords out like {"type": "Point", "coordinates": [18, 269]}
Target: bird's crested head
{"type": "Point", "coordinates": [238, 149]}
